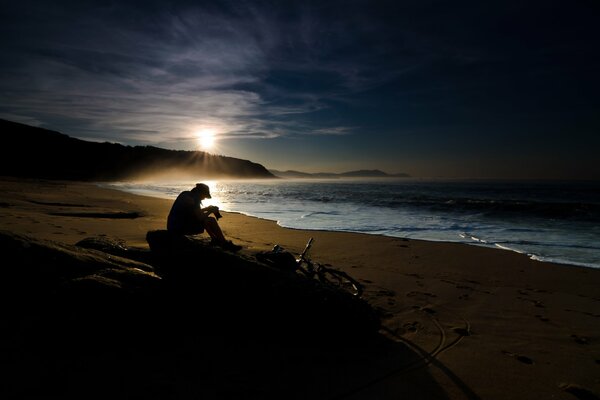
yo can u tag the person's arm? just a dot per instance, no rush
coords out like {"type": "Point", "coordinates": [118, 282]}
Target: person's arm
{"type": "Point", "coordinates": [206, 211]}
{"type": "Point", "coordinates": [188, 204]}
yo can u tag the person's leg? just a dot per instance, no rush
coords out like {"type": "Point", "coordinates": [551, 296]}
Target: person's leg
{"type": "Point", "coordinates": [187, 227]}
{"type": "Point", "coordinates": [214, 230]}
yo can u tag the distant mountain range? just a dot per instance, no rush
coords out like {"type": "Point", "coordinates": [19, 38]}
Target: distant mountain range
{"type": "Point", "coordinates": [32, 152]}
{"type": "Point", "coordinates": [371, 173]}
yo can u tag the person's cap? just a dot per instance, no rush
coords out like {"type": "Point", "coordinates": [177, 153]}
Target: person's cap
{"type": "Point", "coordinates": [202, 189]}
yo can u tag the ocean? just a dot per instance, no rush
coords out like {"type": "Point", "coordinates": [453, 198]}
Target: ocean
{"type": "Point", "coordinates": [549, 221]}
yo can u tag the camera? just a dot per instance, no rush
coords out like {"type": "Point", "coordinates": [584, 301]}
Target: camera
{"type": "Point", "coordinates": [216, 213]}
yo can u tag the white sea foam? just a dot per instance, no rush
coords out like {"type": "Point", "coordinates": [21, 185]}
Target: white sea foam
{"type": "Point", "coordinates": [473, 238]}
{"type": "Point", "coordinates": [510, 249]}
{"type": "Point", "coordinates": [534, 221]}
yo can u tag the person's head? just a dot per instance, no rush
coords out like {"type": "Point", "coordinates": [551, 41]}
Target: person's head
{"type": "Point", "coordinates": [201, 190]}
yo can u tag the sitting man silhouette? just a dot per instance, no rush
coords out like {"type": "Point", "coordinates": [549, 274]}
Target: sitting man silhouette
{"type": "Point", "coordinates": [187, 217]}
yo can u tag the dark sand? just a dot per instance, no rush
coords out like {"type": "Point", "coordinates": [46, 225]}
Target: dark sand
{"type": "Point", "coordinates": [468, 322]}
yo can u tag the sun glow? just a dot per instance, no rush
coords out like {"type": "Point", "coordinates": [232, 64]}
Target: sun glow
{"type": "Point", "coordinates": [206, 138]}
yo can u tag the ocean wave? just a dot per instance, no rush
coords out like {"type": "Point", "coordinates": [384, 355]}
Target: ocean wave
{"type": "Point", "coordinates": [472, 237]}
{"type": "Point", "coordinates": [564, 261]}
{"type": "Point", "coordinates": [490, 201]}
{"type": "Point", "coordinates": [503, 247]}
{"type": "Point", "coordinates": [548, 222]}
{"type": "Point", "coordinates": [494, 208]}
{"type": "Point", "coordinates": [317, 213]}
{"type": "Point", "coordinates": [565, 245]}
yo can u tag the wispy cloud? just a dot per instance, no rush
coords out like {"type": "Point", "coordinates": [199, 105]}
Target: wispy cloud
{"type": "Point", "coordinates": [248, 70]}
{"type": "Point", "coordinates": [336, 131]}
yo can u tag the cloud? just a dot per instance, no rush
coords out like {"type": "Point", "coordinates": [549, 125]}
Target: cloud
{"type": "Point", "coordinates": [334, 131]}
{"type": "Point", "coordinates": [125, 84]}
{"type": "Point", "coordinates": [147, 76]}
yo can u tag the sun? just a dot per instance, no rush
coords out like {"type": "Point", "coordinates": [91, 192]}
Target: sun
{"type": "Point", "coordinates": [206, 138]}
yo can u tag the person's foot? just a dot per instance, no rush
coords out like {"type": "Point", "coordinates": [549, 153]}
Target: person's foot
{"type": "Point", "coordinates": [226, 245]}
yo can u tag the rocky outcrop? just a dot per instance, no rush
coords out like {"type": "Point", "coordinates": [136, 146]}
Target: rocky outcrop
{"type": "Point", "coordinates": [35, 269]}
{"type": "Point", "coordinates": [89, 321]}
{"type": "Point", "coordinates": [264, 297]}
{"type": "Point", "coordinates": [179, 276]}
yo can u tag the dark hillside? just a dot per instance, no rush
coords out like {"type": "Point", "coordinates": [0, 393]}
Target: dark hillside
{"type": "Point", "coordinates": [33, 152]}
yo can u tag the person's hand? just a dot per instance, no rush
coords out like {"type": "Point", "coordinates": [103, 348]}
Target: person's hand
{"type": "Point", "coordinates": [216, 212]}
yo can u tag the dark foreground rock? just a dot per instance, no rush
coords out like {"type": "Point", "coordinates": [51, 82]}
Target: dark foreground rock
{"type": "Point", "coordinates": [227, 286]}
{"type": "Point", "coordinates": [35, 271]}
{"type": "Point", "coordinates": [88, 321]}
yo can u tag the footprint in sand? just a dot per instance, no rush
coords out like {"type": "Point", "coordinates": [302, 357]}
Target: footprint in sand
{"type": "Point", "coordinates": [462, 331]}
{"type": "Point", "coordinates": [542, 318]}
{"type": "Point", "coordinates": [417, 293]}
{"type": "Point", "coordinates": [541, 291]}
{"type": "Point", "coordinates": [536, 303]}
{"type": "Point", "coordinates": [581, 339]}
{"type": "Point", "coordinates": [525, 360]}
{"type": "Point", "coordinates": [383, 313]}
{"type": "Point", "coordinates": [428, 310]}
{"type": "Point", "coordinates": [518, 357]}
{"type": "Point", "coordinates": [589, 314]}
{"type": "Point", "coordinates": [411, 327]}
{"type": "Point", "coordinates": [386, 292]}
{"type": "Point", "coordinates": [578, 391]}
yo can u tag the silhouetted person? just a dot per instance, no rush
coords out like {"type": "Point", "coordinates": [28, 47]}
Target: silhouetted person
{"type": "Point", "coordinates": [187, 217]}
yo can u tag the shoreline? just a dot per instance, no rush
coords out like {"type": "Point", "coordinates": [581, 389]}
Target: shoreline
{"type": "Point", "coordinates": [568, 253]}
{"type": "Point", "coordinates": [495, 246]}
{"type": "Point", "coordinates": [489, 324]}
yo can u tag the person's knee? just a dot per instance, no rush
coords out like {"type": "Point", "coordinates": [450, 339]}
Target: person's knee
{"type": "Point", "coordinates": [210, 221]}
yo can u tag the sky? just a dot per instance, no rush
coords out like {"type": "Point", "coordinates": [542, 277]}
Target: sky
{"type": "Point", "coordinates": [482, 89]}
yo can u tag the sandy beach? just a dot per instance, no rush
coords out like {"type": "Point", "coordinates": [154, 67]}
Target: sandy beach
{"type": "Point", "coordinates": [472, 322]}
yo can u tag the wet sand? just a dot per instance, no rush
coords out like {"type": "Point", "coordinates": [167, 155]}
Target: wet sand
{"type": "Point", "coordinates": [473, 322]}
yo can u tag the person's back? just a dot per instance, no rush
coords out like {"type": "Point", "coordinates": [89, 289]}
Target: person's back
{"type": "Point", "coordinates": [186, 217]}
{"type": "Point", "coordinates": [183, 215]}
